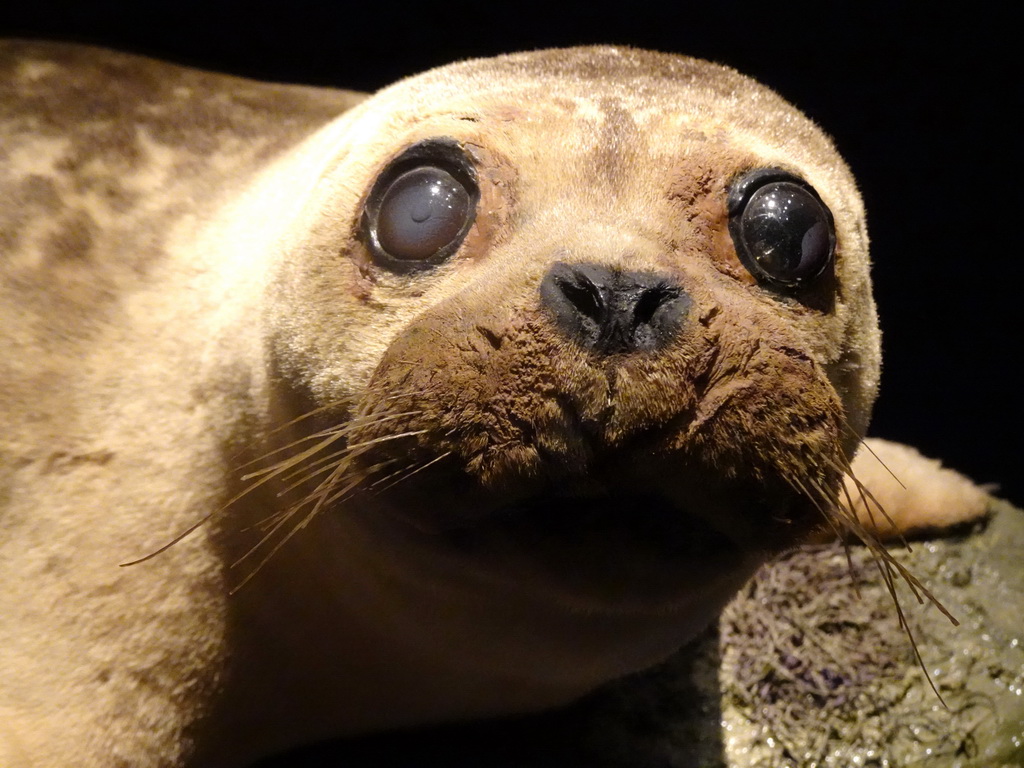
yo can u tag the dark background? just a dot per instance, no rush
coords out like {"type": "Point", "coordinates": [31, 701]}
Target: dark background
{"type": "Point", "coordinates": [918, 100]}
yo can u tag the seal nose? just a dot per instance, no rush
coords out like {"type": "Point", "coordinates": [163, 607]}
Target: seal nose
{"type": "Point", "coordinates": [613, 311]}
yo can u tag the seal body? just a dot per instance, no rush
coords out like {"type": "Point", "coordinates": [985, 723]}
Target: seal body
{"type": "Point", "coordinates": [470, 396]}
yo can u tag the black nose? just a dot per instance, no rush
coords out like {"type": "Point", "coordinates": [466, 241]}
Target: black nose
{"type": "Point", "coordinates": [612, 311]}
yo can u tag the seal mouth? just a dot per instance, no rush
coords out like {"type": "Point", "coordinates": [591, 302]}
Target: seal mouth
{"type": "Point", "coordinates": [603, 549]}
{"type": "Point", "coordinates": [650, 521]}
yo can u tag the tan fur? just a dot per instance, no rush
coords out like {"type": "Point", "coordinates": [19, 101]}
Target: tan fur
{"type": "Point", "coordinates": [185, 298]}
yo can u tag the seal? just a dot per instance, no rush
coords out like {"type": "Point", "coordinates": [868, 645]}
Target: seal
{"type": "Point", "coordinates": [455, 401]}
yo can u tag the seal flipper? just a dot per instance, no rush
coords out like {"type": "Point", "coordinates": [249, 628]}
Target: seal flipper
{"type": "Point", "coordinates": [918, 494]}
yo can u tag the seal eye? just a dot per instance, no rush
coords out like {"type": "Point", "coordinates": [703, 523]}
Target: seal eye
{"type": "Point", "coordinates": [421, 206]}
{"type": "Point", "coordinates": [421, 212]}
{"type": "Point", "coordinates": [783, 233]}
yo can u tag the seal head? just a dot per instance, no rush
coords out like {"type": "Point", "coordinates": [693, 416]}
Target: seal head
{"type": "Point", "coordinates": [595, 330]}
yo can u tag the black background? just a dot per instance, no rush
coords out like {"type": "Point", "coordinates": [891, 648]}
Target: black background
{"type": "Point", "coordinates": [919, 100]}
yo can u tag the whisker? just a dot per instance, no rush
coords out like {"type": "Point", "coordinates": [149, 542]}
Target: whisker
{"type": "Point", "coordinates": [326, 437]}
{"type": "Point", "coordinates": [890, 585]}
{"type": "Point", "coordinates": [867, 498]}
{"type": "Point", "coordinates": [164, 547]}
{"type": "Point", "coordinates": [284, 466]}
{"type": "Point", "coordinates": [367, 471]}
{"type": "Point", "coordinates": [320, 494]}
{"type": "Point", "coordinates": [864, 444]}
{"type": "Point", "coordinates": [832, 503]}
{"type": "Point", "coordinates": [307, 415]}
{"type": "Point", "coordinates": [306, 472]}
{"type": "Point", "coordinates": [888, 567]}
{"type": "Point", "coordinates": [920, 592]}
{"type": "Point", "coordinates": [267, 523]}
{"type": "Point", "coordinates": [359, 422]}
{"type": "Point", "coordinates": [332, 499]}
{"type": "Point", "coordinates": [337, 404]}
{"type": "Point", "coordinates": [420, 468]}
{"type": "Point", "coordinates": [312, 513]}
{"type": "Point", "coordinates": [280, 519]}
{"type": "Point", "coordinates": [270, 474]}
{"type": "Point", "coordinates": [387, 438]}
{"type": "Point", "coordinates": [389, 476]}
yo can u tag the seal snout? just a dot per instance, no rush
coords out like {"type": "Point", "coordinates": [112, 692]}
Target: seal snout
{"type": "Point", "coordinates": [613, 311]}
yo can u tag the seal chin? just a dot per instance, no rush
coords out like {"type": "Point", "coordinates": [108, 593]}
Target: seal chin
{"type": "Point", "coordinates": [612, 549]}
{"type": "Point", "coordinates": [615, 547]}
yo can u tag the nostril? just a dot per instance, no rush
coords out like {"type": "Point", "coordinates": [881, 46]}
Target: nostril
{"type": "Point", "coordinates": [583, 295]}
{"type": "Point", "coordinates": [651, 300]}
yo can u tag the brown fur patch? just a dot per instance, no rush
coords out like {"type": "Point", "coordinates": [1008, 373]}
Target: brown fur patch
{"type": "Point", "coordinates": [616, 145]}
{"type": "Point", "coordinates": [73, 239]}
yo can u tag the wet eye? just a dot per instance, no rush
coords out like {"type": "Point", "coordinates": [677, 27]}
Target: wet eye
{"type": "Point", "coordinates": [782, 231]}
{"type": "Point", "coordinates": [421, 206]}
{"type": "Point", "coordinates": [422, 212]}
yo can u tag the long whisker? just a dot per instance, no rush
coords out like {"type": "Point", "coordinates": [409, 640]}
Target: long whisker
{"type": "Point", "coordinates": [311, 469]}
{"type": "Point", "coordinates": [412, 472]}
{"type": "Point", "coordinates": [825, 509]}
{"type": "Point", "coordinates": [288, 536]}
{"type": "Point", "coordinates": [291, 466]}
{"type": "Point", "coordinates": [164, 547]}
{"type": "Point", "coordinates": [862, 443]}
{"type": "Point", "coordinates": [888, 567]}
{"type": "Point", "coordinates": [387, 438]}
{"type": "Point", "coordinates": [868, 498]}
{"type": "Point", "coordinates": [273, 472]}
{"type": "Point", "coordinates": [342, 430]}
{"type": "Point", "coordinates": [286, 465]}
{"type": "Point", "coordinates": [319, 493]}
